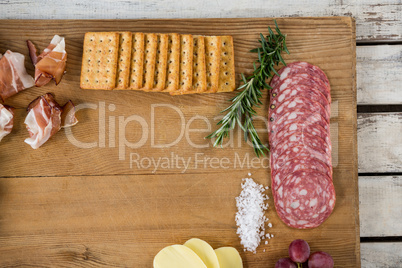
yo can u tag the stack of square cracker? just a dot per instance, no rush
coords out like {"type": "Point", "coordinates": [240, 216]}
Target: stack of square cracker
{"type": "Point", "coordinates": [174, 63]}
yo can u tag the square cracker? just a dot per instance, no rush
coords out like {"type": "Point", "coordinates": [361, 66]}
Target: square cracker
{"type": "Point", "coordinates": [186, 64]}
{"type": "Point", "coordinates": [161, 62]}
{"type": "Point", "coordinates": [124, 60]}
{"type": "Point", "coordinates": [227, 80]}
{"type": "Point", "coordinates": [173, 64]}
{"type": "Point", "coordinates": [137, 61]}
{"type": "Point", "coordinates": [99, 60]}
{"type": "Point", "coordinates": [213, 46]}
{"type": "Point", "coordinates": [149, 61]}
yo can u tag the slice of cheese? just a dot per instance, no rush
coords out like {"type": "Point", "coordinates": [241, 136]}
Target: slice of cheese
{"type": "Point", "coordinates": [177, 256]}
{"type": "Point", "coordinates": [204, 251]}
{"type": "Point", "coordinates": [229, 257]}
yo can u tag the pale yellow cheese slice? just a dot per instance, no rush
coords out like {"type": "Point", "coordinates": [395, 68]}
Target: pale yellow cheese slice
{"type": "Point", "coordinates": [229, 257]}
{"type": "Point", "coordinates": [177, 256]}
{"type": "Point", "coordinates": [204, 251]}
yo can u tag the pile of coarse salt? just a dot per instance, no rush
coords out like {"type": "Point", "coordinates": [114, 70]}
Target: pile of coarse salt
{"type": "Point", "coordinates": [250, 219]}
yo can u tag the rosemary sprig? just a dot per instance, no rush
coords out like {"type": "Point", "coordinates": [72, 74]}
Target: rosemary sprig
{"type": "Point", "coordinates": [241, 110]}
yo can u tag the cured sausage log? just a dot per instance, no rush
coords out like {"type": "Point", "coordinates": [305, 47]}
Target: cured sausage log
{"type": "Point", "coordinates": [300, 145]}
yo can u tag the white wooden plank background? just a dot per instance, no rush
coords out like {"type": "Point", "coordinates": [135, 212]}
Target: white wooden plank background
{"type": "Point", "coordinates": [379, 74]}
{"type": "Point", "coordinates": [379, 142]}
{"type": "Point", "coordinates": [384, 255]}
{"type": "Point", "coordinates": [376, 20]}
{"type": "Point", "coordinates": [380, 211]}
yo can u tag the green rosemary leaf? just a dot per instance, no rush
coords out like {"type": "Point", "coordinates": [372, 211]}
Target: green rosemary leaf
{"type": "Point", "coordinates": [241, 110]}
{"type": "Point", "coordinates": [275, 72]}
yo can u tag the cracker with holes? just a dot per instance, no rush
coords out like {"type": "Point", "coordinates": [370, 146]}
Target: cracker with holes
{"type": "Point", "coordinates": [173, 66]}
{"type": "Point", "coordinates": [199, 68]}
{"type": "Point", "coordinates": [137, 61]}
{"type": "Point", "coordinates": [186, 64]}
{"type": "Point", "coordinates": [149, 61]}
{"type": "Point", "coordinates": [124, 58]}
{"type": "Point", "coordinates": [227, 81]}
{"type": "Point", "coordinates": [199, 83]}
{"type": "Point", "coordinates": [161, 62]}
{"type": "Point", "coordinates": [99, 60]}
{"type": "Point", "coordinates": [212, 60]}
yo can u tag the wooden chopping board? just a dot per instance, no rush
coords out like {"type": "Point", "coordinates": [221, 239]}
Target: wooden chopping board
{"type": "Point", "coordinates": [96, 195]}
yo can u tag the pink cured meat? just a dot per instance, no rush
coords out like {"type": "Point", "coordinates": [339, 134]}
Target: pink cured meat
{"type": "Point", "coordinates": [276, 123]}
{"type": "Point", "coordinates": [299, 126]}
{"type": "Point", "coordinates": [298, 102]}
{"type": "Point", "coordinates": [305, 199]}
{"type": "Point", "coordinates": [300, 91]}
{"type": "Point", "coordinates": [304, 139]}
{"type": "Point", "coordinates": [299, 67]}
{"type": "Point", "coordinates": [301, 168]}
{"type": "Point", "coordinates": [303, 79]}
{"type": "Point", "coordinates": [298, 163]}
{"type": "Point", "coordinates": [299, 151]}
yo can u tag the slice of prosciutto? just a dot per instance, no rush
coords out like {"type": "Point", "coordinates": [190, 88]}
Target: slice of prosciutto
{"type": "Point", "coordinates": [68, 118]}
{"type": "Point", "coordinates": [6, 120]}
{"type": "Point", "coordinates": [45, 118]}
{"type": "Point", "coordinates": [13, 75]}
{"type": "Point", "coordinates": [51, 63]}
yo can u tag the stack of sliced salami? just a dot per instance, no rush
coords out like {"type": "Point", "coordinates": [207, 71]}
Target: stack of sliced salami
{"type": "Point", "coordinates": [300, 145]}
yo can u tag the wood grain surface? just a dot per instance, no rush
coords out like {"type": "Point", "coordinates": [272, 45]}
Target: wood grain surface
{"type": "Point", "coordinates": [376, 255]}
{"type": "Point", "coordinates": [379, 71]}
{"type": "Point", "coordinates": [379, 207]}
{"type": "Point", "coordinates": [80, 200]}
{"type": "Point", "coordinates": [380, 135]}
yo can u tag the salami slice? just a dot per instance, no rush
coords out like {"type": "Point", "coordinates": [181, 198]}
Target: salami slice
{"type": "Point", "coordinates": [277, 122]}
{"type": "Point", "coordinates": [299, 136]}
{"type": "Point", "coordinates": [299, 67]}
{"type": "Point", "coordinates": [299, 126]}
{"type": "Point", "coordinates": [303, 79]}
{"type": "Point", "coordinates": [298, 152]}
{"type": "Point", "coordinates": [300, 91]}
{"type": "Point", "coordinates": [295, 164]}
{"type": "Point", "coordinates": [301, 103]}
{"type": "Point", "coordinates": [301, 139]}
{"type": "Point", "coordinates": [305, 199]}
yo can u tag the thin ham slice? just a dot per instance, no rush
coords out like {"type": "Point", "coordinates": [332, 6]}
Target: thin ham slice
{"type": "Point", "coordinates": [6, 120]}
{"type": "Point", "coordinates": [68, 118]}
{"type": "Point", "coordinates": [43, 120]}
{"type": "Point", "coordinates": [46, 117]}
{"type": "Point", "coordinates": [51, 63]}
{"type": "Point", "coordinates": [13, 75]}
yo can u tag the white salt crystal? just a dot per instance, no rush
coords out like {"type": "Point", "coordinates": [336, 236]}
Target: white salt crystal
{"type": "Point", "coordinates": [250, 217]}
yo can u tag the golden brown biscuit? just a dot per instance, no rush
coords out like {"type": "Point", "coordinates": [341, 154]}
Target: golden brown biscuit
{"type": "Point", "coordinates": [212, 60]}
{"type": "Point", "coordinates": [137, 61]}
{"type": "Point", "coordinates": [227, 79]}
{"type": "Point", "coordinates": [99, 60]}
{"type": "Point", "coordinates": [161, 62]}
{"type": "Point", "coordinates": [124, 60]}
